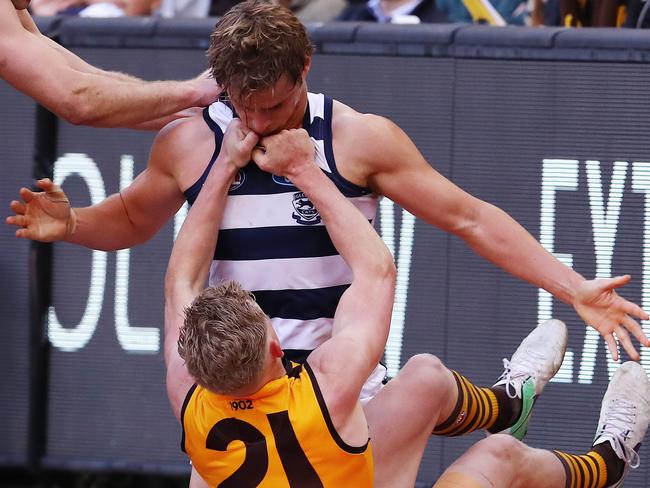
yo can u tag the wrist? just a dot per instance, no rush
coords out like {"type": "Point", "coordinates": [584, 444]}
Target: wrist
{"type": "Point", "coordinates": [304, 173]}
{"type": "Point", "coordinates": [70, 225]}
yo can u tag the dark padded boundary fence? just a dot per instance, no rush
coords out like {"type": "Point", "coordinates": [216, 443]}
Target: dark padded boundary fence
{"type": "Point", "coordinates": [549, 124]}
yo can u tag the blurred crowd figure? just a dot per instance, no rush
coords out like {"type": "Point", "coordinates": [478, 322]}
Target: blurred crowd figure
{"type": "Point", "coordinates": [306, 10]}
{"type": "Point", "coordinates": [567, 13]}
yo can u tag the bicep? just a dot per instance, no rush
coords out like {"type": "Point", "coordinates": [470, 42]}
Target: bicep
{"type": "Point", "coordinates": [359, 335]}
{"type": "Point", "coordinates": [154, 195]}
{"type": "Point", "coordinates": [402, 174]}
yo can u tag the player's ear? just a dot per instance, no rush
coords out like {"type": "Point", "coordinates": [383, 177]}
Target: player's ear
{"type": "Point", "coordinates": [276, 349]}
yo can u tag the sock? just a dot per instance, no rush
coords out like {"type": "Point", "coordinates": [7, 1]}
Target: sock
{"type": "Point", "coordinates": [598, 468]}
{"type": "Point", "coordinates": [479, 408]}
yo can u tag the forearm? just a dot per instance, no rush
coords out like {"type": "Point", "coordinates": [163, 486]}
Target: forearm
{"type": "Point", "coordinates": [500, 239]}
{"type": "Point", "coordinates": [351, 233]}
{"type": "Point", "coordinates": [105, 226]}
{"type": "Point", "coordinates": [194, 247]}
{"type": "Point", "coordinates": [105, 101]}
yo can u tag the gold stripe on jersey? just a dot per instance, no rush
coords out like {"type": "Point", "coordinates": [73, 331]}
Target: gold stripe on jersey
{"type": "Point", "coordinates": [280, 437]}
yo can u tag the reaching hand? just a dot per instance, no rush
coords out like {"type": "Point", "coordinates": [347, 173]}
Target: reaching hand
{"type": "Point", "coordinates": [599, 305]}
{"type": "Point", "coordinates": [43, 216]}
{"type": "Point", "coordinates": [207, 87]}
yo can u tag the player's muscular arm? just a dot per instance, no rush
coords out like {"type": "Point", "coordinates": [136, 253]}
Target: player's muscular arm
{"type": "Point", "coordinates": [363, 314]}
{"type": "Point", "coordinates": [82, 94]}
{"type": "Point", "coordinates": [391, 164]}
{"type": "Point", "coordinates": [194, 249]}
{"type": "Point", "coordinates": [140, 210]}
{"type": "Point", "coordinates": [125, 219]}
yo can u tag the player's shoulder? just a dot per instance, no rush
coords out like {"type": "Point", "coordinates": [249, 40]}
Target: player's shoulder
{"type": "Point", "coordinates": [181, 138]}
{"type": "Point", "coordinates": [347, 121]}
{"type": "Point", "coordinates": [362, 136]}
{"type": "Point", "coordinates": [184, 131]}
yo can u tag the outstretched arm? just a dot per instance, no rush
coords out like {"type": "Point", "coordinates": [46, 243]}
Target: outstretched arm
{"type": "Point", "coordinates": [363, 314]}
{"type": "Point", "coordinates": [193, 251]}
{"type": "Point", "coordinates": [123, 219]}
{"type": "Point", "coordinates": [397, 169]}
{"type": "Point", "coordinates": [82, 94]}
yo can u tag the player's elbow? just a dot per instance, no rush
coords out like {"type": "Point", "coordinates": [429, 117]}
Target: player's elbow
{"type": "Point", "coordinates": [77, 109]}
{"type": "Point", "coordinates": [383, 269]}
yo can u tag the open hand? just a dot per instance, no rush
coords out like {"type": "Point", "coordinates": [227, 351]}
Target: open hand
{"type": "Point", "coordinates": [43, 216]}
{"type": "Point", "coordinates": [599, 305]}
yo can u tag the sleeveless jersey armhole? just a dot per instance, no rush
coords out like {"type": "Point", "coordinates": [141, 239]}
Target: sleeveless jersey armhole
{"type": "Point", "coordinates": [186, 402]}
{"type": "Point", "coordinates": [328, 420]}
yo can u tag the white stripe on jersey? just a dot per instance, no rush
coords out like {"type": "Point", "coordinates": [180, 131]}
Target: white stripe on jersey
{"type": "Point", "coordinates": [302, 334]}
{"type": "Point", "coordinates": [284, 274]}
{"type": "Point", "coordinates": [276, 210]}
{"type": "Point", "coordinates": [221, 114]}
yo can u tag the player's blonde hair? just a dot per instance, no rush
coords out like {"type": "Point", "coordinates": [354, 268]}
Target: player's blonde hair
{"type": "Point", "coordinates": [254, 44]}
{"type": "Point", "coordinates": [223, 338]}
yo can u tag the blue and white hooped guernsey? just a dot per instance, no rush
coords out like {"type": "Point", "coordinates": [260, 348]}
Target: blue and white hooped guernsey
{"type": "Point", "coordinates": [272, 239]}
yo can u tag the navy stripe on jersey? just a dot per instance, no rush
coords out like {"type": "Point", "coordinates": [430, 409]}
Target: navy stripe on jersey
{"type": "Point", "coordinates": [274, 243]}
{"type": "Point", "coordinates": [300, 304]}
{"type": "Point", "coordinates": [346, 187]}
{"type": "Point", "coordinates": [192, 192]}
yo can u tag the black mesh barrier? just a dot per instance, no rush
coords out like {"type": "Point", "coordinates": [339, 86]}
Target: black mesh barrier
{"type": "Point", "coordinates": [16, 160]}
{"type": "Point", "coordinates": [519, 118]}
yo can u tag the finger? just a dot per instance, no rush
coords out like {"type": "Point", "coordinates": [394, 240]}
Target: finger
{"type": "Point", "coordinates": [19, 220]}
{"type": "Point", "coordinates": [633, 326]}
{"type": "Point", "coordinates": [24, 234]}
{"type": "Point", "coordinates": [259, 156]}
{"type": "Point", "coordinates": [617, 281]}
{"type": "Point", "coordinates": [49, 186]}
{"type": "Point", "coordinates": [26, 194]}
{"type": "Point", "coordinates": [17, 207]}
{"type": "Point", "coordinates": [626, 342]}
{"type": "Point", "coordinates": [250, 140]}
{"type": "Point", "coordinates": [611, 345]}
{"type": "Point", "coordinates": [45, 184]}
{"type": "Point", "coordinates": [634, 310]}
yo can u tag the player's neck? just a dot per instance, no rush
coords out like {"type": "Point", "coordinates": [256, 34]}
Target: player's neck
{"type": "Point", "coordinates": [274, 371]}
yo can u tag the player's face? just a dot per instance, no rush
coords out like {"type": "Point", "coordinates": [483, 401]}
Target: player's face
{"type": "Point", "coordinates": [20, 4]}
{"type": "Point", "coordinates": [273, 109]}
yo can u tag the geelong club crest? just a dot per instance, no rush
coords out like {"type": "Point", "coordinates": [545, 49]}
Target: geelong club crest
{"type": "Point", "coordinates": [305, 213]}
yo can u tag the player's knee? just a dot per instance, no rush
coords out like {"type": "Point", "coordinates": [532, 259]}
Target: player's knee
{"type": "Point", "coordinates": [501, 448]}
{"type": "Point", "coordinates": [427, 373]}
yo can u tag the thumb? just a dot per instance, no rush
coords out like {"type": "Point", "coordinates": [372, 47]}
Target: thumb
{"type": "Point", "coordinates": [617, 281]}
{"type": "Point", "coordinates": [46, 184]}
{"type": "Point", "coordinates": [250, 140]}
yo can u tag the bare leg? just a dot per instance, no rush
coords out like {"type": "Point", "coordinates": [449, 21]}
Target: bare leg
{"type": "Point", "coordinates": [504, 462]}
{"type": "Point", "coordinates": [403, 414]}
